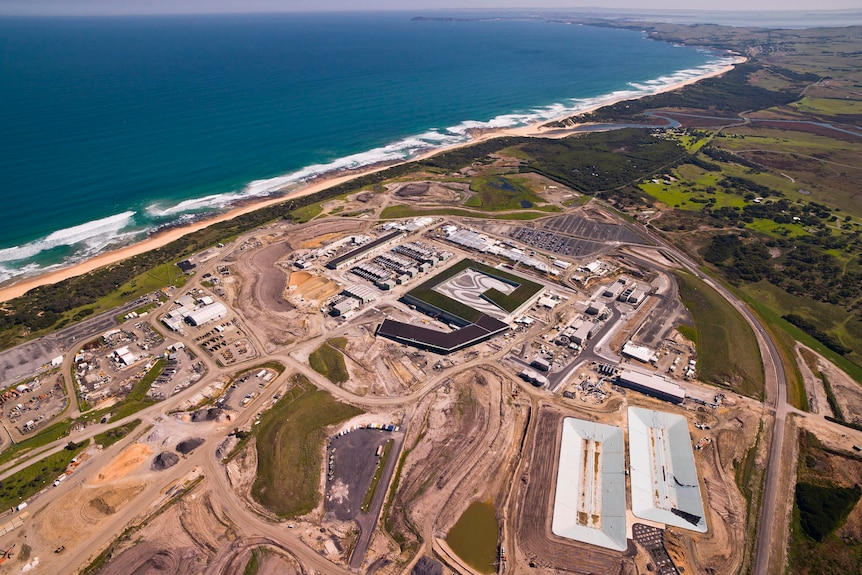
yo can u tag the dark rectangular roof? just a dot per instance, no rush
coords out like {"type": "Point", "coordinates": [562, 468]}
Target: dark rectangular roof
{"type": "Point", "coordinates": [446, 342]}
{"type": "Point", "coordinates": [364, 248]}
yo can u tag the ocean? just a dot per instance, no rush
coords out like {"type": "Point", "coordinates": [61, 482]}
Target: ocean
{"type": "Point", "coordinates": [115, 126]}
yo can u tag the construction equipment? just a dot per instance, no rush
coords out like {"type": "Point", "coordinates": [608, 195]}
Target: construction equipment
{"type": "Point", "coordinates": [7, 554]}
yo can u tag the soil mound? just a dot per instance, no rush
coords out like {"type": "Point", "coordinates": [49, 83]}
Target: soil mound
{"type": "Point", "coordinates": [189, 445]}
{"type": "Point", "coordinates": [165, 460]}
{"type": "Point", "coordinates": [210, 414]}
{"type": "Point", "coordinates": [427, 566]}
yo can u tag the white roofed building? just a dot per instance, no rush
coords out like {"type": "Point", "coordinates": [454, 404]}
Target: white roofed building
{"type": "Point", "coordinates": [206, 314]}
{"type": "Point", "coordinates": [664, 482]}
{"type": "Point", "coordinates": [590, 500]}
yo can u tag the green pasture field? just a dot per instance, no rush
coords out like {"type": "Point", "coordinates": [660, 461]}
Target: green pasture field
{"type": "Point", "coordinates": [33, 478]}
{"type": "Point", "coordinates": [289, 443]}
{"type": "Point", "coordinates": [498, 193]}
{"type": "Point", "coordinates": [770, 228]}
{"type": "Point", "coordinates": [829, 106]}
{"type": "Point", "coordinates": [727, 351]}
{"type": "Point", "coordinates": [829, 318]}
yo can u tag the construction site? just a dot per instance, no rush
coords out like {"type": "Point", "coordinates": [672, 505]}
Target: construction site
{"type": "Point", "coordinates": [427, 370]}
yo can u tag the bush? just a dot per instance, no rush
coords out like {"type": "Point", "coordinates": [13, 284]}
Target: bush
{"type": "Point", "coordinates": [822, 508]}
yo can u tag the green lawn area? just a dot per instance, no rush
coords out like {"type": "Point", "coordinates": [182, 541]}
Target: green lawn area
{"type": "Point", "coordinates": [306, 213]}
{"type": "Point", "coordinates": [329, 362]}
{"type": "Point", "coordinates": [51, 433]}
{"type": "Point", "coordinates": [32, 479]}
{"type": "Point", "coordinates": [497, 193]}
{"type": "Point", "coordinates": [110, 437]}
{"type": "Point", "coordinates": [727, 351]}
{"type": "Point", "coordinates": [775, 230]}
{"type": "Point", "coordinates": [290, 438]}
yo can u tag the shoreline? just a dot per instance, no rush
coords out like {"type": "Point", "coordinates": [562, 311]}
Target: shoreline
{"type": "Point", "coordinates": [161, 238]}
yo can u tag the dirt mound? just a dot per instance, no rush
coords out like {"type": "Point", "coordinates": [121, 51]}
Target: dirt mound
{"type": "Point", "coordinates": [211, 414]}
{"type": "Point", "coordinates": [165, 460]}
{"type": "Point", "coordinates": [189, 445]}
{"type": "Point", "coordinates": [427, 566]}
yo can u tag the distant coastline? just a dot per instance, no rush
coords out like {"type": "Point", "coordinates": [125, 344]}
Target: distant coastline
{"type": "Point", "coordinates": [19, 286]}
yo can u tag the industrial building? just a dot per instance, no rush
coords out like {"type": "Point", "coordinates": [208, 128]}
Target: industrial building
{"type": "Point", "coordinates": [206, 314]}
{"type": "Point", "coordinates": [651, 384]}
{"type": "Point", "coordinates": [362, 293]}
{"type": "Point", "coordinates": [639, 352]}
{"type": "Point", "coordinates": [584, 332]}
{"type": "Point", "coordinates": [615, 288]}
{"type": "Point", "coordinates": [596, 308]}
{"type": "Point", "coordinates": [363, 250]}
{"type": "Point", "coordinates": [664, 482]}
{"type": "Point", "coordinates": [485, 327]}
{"type": "Point", "coordinates": [590, 500]}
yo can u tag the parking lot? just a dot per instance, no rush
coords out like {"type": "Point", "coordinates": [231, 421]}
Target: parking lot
{"type": "Point", "coordinates": [351, 461]}
{"type": "Point", "coordinates": [577, 225]}
{"type": "Point", "coordinates": [556, 243]}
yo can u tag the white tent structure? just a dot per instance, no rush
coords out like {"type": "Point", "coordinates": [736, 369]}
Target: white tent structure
{"type": "Point", "coordinates": [590, 502]}
{"type": "Point", "coordinates": [664, 480]}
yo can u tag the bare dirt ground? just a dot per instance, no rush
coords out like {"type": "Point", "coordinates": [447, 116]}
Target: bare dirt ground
{"type": "Point", "coordinates": [124, 464]}
{"type": "Point", "coordinates": [430, 192]}
{"type": "Point", "coordinates": [808, 361]}
{"type": "Point", "coordinates": [194, 536]}
{"type": "Point", "coordinates": [468, 432]}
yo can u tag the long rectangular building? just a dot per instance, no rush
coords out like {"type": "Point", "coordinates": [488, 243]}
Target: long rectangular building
{"type": "Point", "coordinates": [485, 327]}
{"type": "Point", "coordinates": [650, 384]}
{"type": "Point", "coordinates": [364, 249]}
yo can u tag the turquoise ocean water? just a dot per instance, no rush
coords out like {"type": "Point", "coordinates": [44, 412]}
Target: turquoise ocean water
{"type": "Point", "coordinates": [110, 127]}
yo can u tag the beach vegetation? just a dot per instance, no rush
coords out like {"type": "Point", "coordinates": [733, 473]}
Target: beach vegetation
{"type": "Point", "coordinates": [289, 442]}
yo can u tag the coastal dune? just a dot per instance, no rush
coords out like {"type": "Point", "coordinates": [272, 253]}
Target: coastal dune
{"type": "Point", "coordinates": [19, 287]}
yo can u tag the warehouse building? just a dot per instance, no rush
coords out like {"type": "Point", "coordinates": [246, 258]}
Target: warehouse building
{"type": "Point", "coordinates": [485, 327]}
{"type": "Point", "coordinates": [206, 314]}
{"type": "Point", "coordinates": [364, 250]}
{"type": "Point", "coordinates": [590, 499]}
{"type": "Point", "coordinates": [664, 482]}
{"type": "Point", "coordinates": [651, 384]}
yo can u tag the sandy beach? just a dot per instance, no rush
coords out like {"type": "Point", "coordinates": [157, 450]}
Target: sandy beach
{"type": "Point", "coordinates": [22, 286]}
